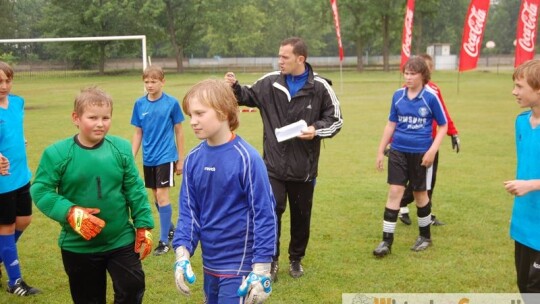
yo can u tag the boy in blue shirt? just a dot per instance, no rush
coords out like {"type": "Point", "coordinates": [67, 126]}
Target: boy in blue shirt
{"type": "Point", "coordinates": [226, 204]}
{"type": "Point", "coordinates": [15, 200]}
{"type": "Point", "coordinates": [525, 222]}
{"type": "Point", "coordinates": [413, 150]}
{"type": "Point", "coordinates": [158, 127]}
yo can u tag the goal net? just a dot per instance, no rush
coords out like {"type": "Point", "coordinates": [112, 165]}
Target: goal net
{"type": "Point", "coordinates": [72, 56]}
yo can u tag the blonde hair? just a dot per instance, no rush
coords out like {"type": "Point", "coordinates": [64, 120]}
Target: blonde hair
{"type": "Point", "coordinates": [153, 72]}
{"type": "Point", "coordinates": [6, 68]}
{"type": "Point", "coordinates": [529, 70]}
{"type": "Point", "coordinates": [218, 95]}
{"type": "Point", "coordinates": [91, 96]}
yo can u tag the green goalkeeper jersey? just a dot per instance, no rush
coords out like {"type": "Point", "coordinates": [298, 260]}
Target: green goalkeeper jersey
{"type": "Point", "coordinates": [104, 177]}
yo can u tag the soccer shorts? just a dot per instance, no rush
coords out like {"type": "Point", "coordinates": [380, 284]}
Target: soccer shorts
{"type": "Point", "coordinates": [406, 168]}
{"type": "Point", "coordinates": [160, 176]}
{"type": "Point", "coordinates": [15, 203]}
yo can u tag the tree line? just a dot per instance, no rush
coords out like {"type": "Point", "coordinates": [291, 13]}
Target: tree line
{"type": "Point", "coordinates": [239, 28]}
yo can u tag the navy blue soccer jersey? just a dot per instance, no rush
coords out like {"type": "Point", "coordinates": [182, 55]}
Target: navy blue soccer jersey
{"type": "Point", "coordinates": [414, 119]}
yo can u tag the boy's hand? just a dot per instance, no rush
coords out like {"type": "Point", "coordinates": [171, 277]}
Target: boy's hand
{"type": "Point", "coordinates": [143, 242]}
{"type": "Point", "coordinates": [456, 143]}
{"type": "Point", "coordinates": [83, 221]}
{"type": "Point", "coordinates": [257, 287]}
{"type": "Point", "coordinates": [183, 271]}
{"type": "Point", "coordinates": [4, 165]}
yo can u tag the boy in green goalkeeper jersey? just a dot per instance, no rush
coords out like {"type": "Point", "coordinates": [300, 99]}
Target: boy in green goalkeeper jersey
{"type": "Point", "coordinates": [89, 183]}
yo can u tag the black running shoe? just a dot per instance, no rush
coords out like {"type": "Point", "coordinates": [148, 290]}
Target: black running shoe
{"type": "Point", "coordinates": [162, 248]}
{"type": "Point", "coordinates": [22, 289]}
{"type": "Point", "coordinates": [295, 269]}
{"type": "Point", "coordinates": [382, 250]}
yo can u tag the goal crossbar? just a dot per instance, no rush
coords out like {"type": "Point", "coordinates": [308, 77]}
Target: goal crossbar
{"type": "Point", "coordinates": [96, 38]}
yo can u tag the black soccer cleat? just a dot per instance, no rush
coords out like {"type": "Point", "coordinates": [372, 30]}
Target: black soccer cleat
{"type": "Point", "coordinates": [421, 244]}
{"type": "Point", "coordinates": [383, 249]}
{"type": "Point", "coordinates": [274, 270]}
{"type": "Point", "coordinates": [162, 248]}
{"type": "Point", "coordinates": [435, 221]}
{"type": "Point", "coordinates": [170, 236]}
{"type": "Point", "coordinates": [22, 289]}
{"type": "Point", "coordinates": [405, 219]}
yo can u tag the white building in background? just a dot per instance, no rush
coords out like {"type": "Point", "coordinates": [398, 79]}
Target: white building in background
{"type": "Point", "coordinates": [442, 59]}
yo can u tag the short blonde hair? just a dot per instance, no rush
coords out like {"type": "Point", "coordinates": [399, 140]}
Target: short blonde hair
{"type": "Point", "coordinates": [218, 95]}
{"type": "Point", "coordinates": [529, 70]}
{"type": "Point", "coordinates": [153, 72]}
{"type": "Point", "coordinates": [7, 69]}
{"type": "Point", "coordinates": [91, 96]}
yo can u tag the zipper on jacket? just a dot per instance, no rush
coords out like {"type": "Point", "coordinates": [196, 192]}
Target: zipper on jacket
{"type": "Point", "coordinates": [98, 182]}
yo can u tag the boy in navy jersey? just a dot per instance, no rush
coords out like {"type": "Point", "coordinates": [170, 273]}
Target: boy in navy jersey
{"type": "Point", "coordinates": [410, 159]}
{"type": "Point", "coordinates": [226, 204]}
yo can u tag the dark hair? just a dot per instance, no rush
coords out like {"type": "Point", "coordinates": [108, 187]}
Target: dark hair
{"type": "Point", "coordinates": [416, 64]}
{"type": "Point", "coordinates": [298, 44]}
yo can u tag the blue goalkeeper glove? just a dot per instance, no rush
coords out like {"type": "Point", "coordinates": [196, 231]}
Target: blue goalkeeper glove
{"type": "Point", "coordinates": [257, 287]}
{"type": "Point", "coordinates": [456, 143]}
{"type": "Point", "coordinates": [182, 271]}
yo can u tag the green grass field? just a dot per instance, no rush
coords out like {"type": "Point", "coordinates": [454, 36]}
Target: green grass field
{"type": "Point", "coordinates": [472, 253]}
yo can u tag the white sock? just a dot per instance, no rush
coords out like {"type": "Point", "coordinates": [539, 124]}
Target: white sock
{"type": "Point", "coordinates": [404, 210]}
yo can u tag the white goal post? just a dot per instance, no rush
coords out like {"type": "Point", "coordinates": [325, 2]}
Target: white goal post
{"type": "Point", "coordinates": [96, 38]}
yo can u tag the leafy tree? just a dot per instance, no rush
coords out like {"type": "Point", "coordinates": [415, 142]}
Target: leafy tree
{"type": "Point", "coordinates": [501, 25]}
{"type": "Point", "coordinates": [181, 20]}
{"type": "Point", "coordinates": [96, 18]}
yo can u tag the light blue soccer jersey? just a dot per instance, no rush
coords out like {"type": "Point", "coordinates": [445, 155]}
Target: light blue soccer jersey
{"type": "Point", "coordinates": [12, 145]}
{"type": "Point", "coordinates": [157, 119]}
{"type": "Point", "coordinates": [525, 223]}
{"type": "Point", "coordinates": [414, 118]}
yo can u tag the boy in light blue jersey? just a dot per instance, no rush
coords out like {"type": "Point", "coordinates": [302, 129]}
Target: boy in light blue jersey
{"type": "Point", "coordinates": [412, 112]}
{"type": "Point", "coordinates": [226, 204]}
{"type": "Point", "coordinates": [157, 118]}
{"type": "Point", "coordinates": [15, 199]}
{"type": "Point", "coordinates": [525, 222]}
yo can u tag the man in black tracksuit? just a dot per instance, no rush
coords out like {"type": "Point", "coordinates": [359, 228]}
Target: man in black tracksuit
{"type": "Point", "coordinates": [283, 97]}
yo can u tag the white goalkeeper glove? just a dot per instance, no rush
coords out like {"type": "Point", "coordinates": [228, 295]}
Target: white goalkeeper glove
{"type": "Point", "coordinates": [183, 271]}
{"type": "Point", "coordinates": [258, 285]}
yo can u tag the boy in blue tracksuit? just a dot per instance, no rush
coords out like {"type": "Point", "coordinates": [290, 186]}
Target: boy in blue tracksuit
{"type": "Point", "coordinates": [226, 203]}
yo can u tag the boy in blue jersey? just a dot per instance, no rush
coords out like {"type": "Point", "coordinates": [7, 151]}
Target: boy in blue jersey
{"type": "Point", "coordinates": [226, 204]}
{"type": "Point", "coordinates": [158, 127]}
{"type": "Point", "coordinates": [15, 200]}
{"type": "Point", "coordinates": [412, 153]}
{"type": "Point", "coordinates": [525, 222]}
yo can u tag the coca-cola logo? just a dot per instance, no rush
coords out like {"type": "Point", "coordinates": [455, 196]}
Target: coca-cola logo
{"type": "Point", "coordinates": [407, 33]}
{"type": "Point", "coordinates": [528, 19]}
{"type": "Point", "coordinates": [476, 21]}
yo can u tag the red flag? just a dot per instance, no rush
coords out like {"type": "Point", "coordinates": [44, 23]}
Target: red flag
{"type": "Point", "coordinates": [333, 3]}
{"type": "Point", "coordinates": [473, 32]}
{"type": "Point", "coordinates": [406, 37]}
{"type": "Point", "coordinates": [526, 31]}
